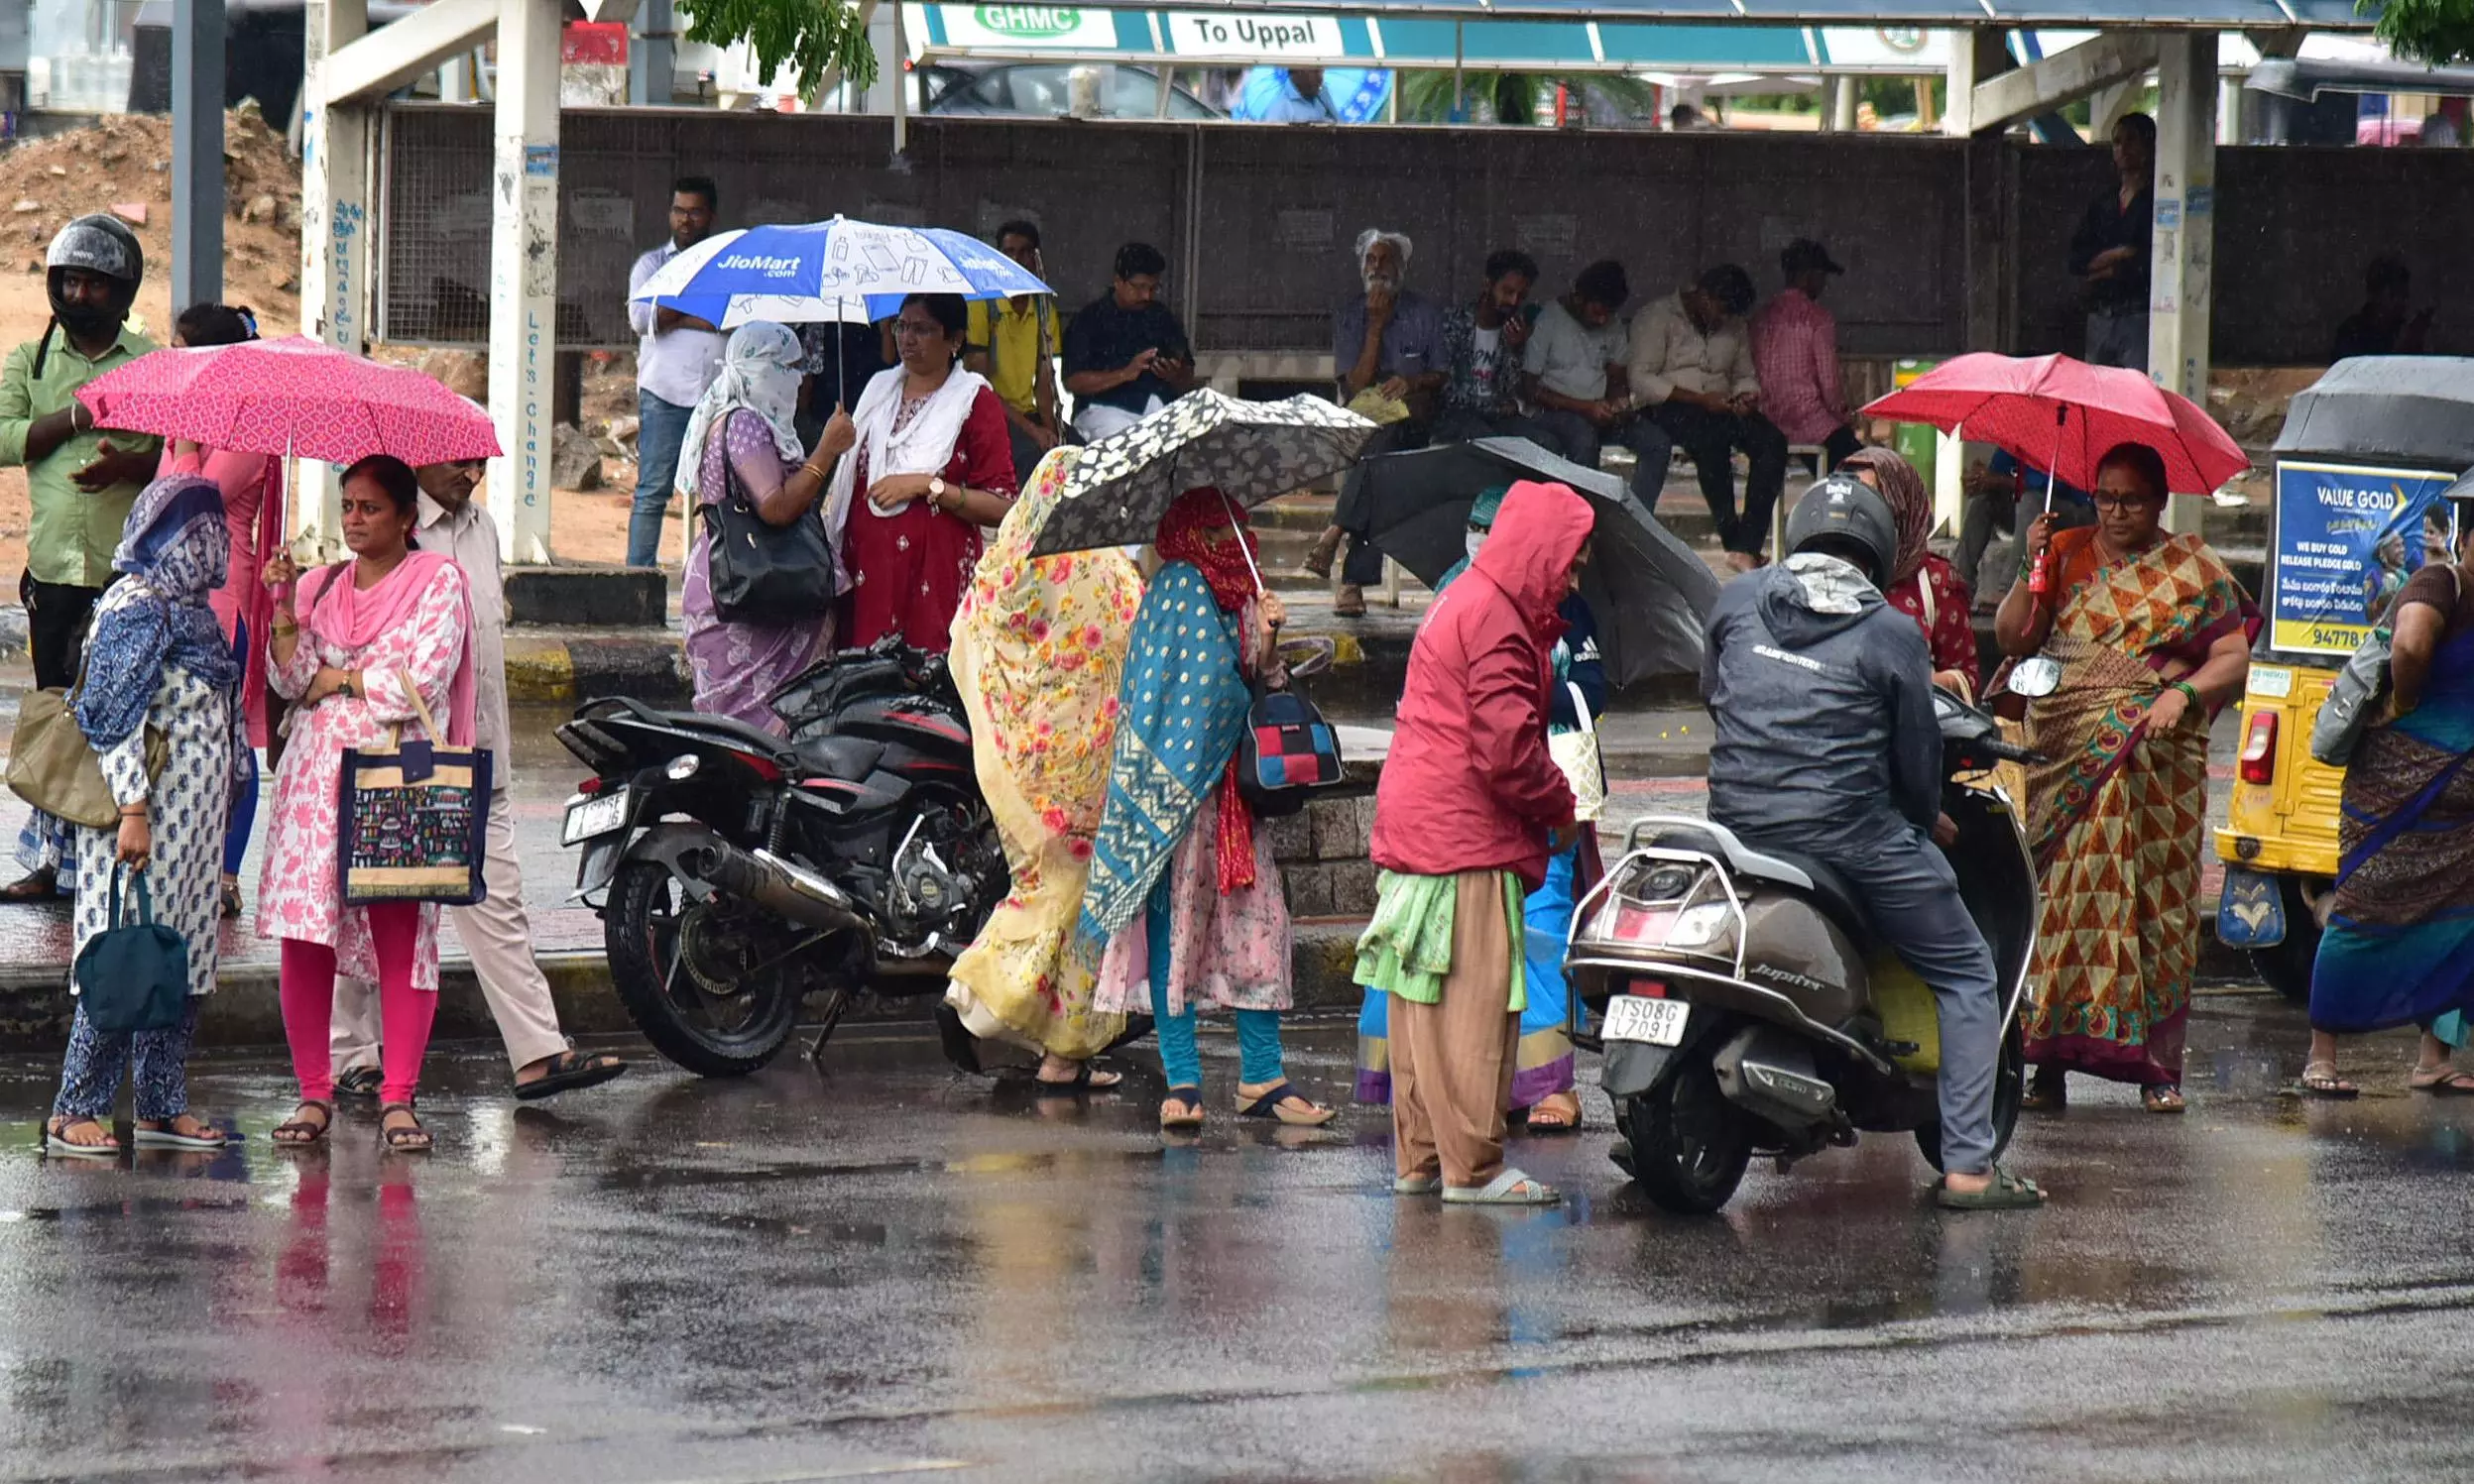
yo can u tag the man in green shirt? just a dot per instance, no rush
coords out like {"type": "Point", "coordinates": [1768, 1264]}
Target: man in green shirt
{"type": "Point", "coordinates": [79, 481]}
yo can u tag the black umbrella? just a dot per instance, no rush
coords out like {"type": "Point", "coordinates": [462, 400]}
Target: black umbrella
{"type": "Point", "coordinates": [1648, 590]}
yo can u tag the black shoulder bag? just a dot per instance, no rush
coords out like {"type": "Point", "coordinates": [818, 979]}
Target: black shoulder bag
{"type": "Point", "coordinates": [760, 572]}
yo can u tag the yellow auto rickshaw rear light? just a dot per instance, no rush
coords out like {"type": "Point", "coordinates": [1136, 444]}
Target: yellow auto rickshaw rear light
{"type": "Point", "coordinates": [2259, 749]}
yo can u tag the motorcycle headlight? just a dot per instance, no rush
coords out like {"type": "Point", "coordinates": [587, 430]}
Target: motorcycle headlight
{"type": "Point", "coordinates": [682, 767]}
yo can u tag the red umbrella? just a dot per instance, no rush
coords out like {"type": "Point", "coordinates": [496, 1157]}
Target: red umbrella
{"type": "Point", "coordinates": [2063, 415]}
{"type": "Point", "coordinates": [294, 396]}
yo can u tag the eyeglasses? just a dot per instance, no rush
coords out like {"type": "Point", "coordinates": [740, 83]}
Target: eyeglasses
{"type": "Point", "coordinates": [2125, 502]}
{"type": "Point", "coordinates": [913, 329]}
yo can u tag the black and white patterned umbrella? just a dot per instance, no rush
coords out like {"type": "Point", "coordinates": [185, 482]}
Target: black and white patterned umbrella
{"type": "Point", "coordinates": [1250, 451]}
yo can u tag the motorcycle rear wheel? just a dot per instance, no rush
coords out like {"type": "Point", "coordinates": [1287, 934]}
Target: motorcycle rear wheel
{"type": "Point", "coordinates": [644, 927]}
{"type": "Point", "coordinates": [2010, 1081]}
{"type": "Point", "coordinates": [1689, 1145]}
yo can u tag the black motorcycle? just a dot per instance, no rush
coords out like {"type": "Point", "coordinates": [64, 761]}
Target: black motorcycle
{"type": "Point", "coordinates": [736, 872]}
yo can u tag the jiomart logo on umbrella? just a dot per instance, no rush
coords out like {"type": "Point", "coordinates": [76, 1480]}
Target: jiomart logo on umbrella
{"type": "Point", "coordinates": [751, 262]}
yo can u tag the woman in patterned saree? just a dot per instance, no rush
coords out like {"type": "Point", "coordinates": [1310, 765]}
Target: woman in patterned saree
{"type": "Point", "coordinates": [1037, 651]}
{"type": "Point", "coordinates": [2151, 636]}
{"type": "Point", "coordinates": [2400, 945]}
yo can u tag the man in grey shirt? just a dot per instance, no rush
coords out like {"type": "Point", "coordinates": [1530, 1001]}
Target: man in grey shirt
{"type": "Point", "coordinates": [1576, 359]}
{"type": "Point", "coordinates": [677, 355]}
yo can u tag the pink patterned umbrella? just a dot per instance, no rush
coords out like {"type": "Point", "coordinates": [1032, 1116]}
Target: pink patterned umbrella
{"type": "Point", "coordinates": [294, 396]}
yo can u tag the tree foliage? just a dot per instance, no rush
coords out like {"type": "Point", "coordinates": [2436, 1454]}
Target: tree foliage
{"type": "Point", "coordinates": [1515, 97]}
{"type": "Point", "coordinates": [814, 37]}
{"type": "Point", "coordinates": [2438, 32]}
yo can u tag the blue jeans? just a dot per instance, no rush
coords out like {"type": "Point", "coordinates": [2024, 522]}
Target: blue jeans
{"type": "Point", "coordinates": [661, 427]}
{"type": "Point", "coordinates": [1258, 1031]}
{"type": "Point", "coordinates": [244, 799]}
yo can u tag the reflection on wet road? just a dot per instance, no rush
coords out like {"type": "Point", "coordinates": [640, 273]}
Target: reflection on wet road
{"type": "Point", "coordinates": [890, 1269]}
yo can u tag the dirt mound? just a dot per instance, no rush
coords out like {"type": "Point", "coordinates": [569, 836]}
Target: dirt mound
{"type": "Point", "coordinates": [123, 164]}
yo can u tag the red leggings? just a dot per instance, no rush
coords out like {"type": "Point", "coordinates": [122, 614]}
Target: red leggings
{"type": "Point", "coordinates": [404, 1013]}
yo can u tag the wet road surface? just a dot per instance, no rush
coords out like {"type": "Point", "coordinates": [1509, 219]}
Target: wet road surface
{"type": "Point", "coordinates": [890, 1268]}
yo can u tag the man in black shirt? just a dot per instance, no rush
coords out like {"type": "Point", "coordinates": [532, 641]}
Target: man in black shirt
{"type": "Point", "coordinates": [2386, 324]}
{"type": "Point", "coordinates": [2110, 251]}
{"type": "Point", "coordinates": [1125, 354]}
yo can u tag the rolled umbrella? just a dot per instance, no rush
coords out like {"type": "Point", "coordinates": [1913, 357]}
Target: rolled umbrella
{"type": "Point", "coordinates": [1250, 451]}
{"type": "Point", "coordinates": [2064, 415]}
{"type": "Point", "coordinates": [294, 397]}
{"type": "Point", "coordinates": [1649, 590]}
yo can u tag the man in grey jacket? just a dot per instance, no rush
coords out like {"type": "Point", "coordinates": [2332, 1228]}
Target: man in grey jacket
{"type": "Point", "coordinates": [1827, 745]}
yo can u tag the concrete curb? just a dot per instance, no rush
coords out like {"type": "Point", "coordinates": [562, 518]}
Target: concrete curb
{"type": "Point", "coordinates": [567, 669]}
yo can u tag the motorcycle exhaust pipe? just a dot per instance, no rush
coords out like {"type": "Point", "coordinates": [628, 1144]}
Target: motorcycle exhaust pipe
{"type": "Point", "coordinates": [778, 886]}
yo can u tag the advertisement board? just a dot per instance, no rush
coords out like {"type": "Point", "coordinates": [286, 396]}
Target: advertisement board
{"type": "Point", "coordinates": [2348, 539]}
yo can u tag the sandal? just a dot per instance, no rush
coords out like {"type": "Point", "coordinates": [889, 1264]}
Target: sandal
{"type": "Point", "coordinates": [2007, 1192]}
{"type": "Point", "coordinates": [1351, 604]}
{"type": "Point", "coordinates": [1182, 1109]}
{"type": "Point", "coordinates": [164, 1133]}
{"type": "Point", "coordinates": [402, 1138]}
{"type": "Point", "coordinates": [1511, 1188]}
{"type": "Point", "coordinates": [34, 886]}
{"type": "Point", "coordinates": [2320, 1080]}
{"type": "Point", "coordinates": [2442, 1081]}
{"type": "Point", "coordinates": [2047, 1092]}
{"type": "Point", "coordinates": [1086, 1079]}
{"type": "Point", "coordinates": [2163, 1097]}
{"type": "Point", "coordinates": [359, 1081]}
{"type": "Point", "coordinates": [230, 899]}
{"type": "Point", "coordinates": [297, 1132]}
{"type": "Point", "coordinates": [568, 1071]}
{"type": "Point", "coordinates": [1418, 1185]}
{"type": "Point", "coordinates": [55, 1139]}
{"type": "Point", "coordinates": [1274, 1104]}
{"type": "Point", "coordinates": [1554, 1114]}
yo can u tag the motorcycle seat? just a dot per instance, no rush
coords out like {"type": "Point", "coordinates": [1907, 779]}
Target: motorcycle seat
{"type": "Point", "coordinates": [754, 738]}
{"type": "Point", "coordinates": [849, 758]}
{"type": "Point", "coordinates": [1829, 888]}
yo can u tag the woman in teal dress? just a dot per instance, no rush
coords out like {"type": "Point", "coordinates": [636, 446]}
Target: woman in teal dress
{"type": "Point", "coordinates": [2399, 943]}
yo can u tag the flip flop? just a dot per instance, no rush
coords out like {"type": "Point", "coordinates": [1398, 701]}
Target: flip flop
{"type": "Point", "coordinates": [1189, 1100]}
{"type": "Point", "coordinates": [2320, 1080]}
{"type": "Point", "coordinates": [1270, 1105]}
{"type": "Point", "coordinates": [2163, 1097]}
{"type": "Point", "coordinates": [54, 1142]}
{"type": "Point", "coordinates": [1511, 1188]}
{"type": "Point", "coordinates": [2007, 1192]}
{"type": "Point", "coordinates": [568, 1071]}
{"type": "Point", "coordinates": [1086, 1079]}
{"type": "Point", "coordinates": [359, 1081]}
{"type": "Point", "coordinates": [170, 1137]}
{"type": "Point", "coordinates": [1557, 1119]}
{"type": "Point", "coordinates": [2442, 1082]}
{"type": "Point", "coordinates": [1417, 1185]}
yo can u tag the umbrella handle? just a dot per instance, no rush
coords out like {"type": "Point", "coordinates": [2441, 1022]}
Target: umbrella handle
{"type": "Point", "coordinates": [1237, 524]}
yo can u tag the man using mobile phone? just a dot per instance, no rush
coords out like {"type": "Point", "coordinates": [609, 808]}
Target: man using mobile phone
{"type": "Point", "coordinates": [1125, 354]}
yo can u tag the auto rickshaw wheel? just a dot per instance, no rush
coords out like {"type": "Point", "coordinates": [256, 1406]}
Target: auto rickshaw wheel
{"type": "Point", "coordinates": [2285, 967]}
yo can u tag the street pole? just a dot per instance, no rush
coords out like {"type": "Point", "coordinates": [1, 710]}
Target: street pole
{"type": "Point", "coordinates": [196, 155]}
{"type": "Point", "coordinates": [2183, 244]}
{"type": "Point", "coordinates": [523, 275]}
{"type": "Point", "coordinates": [334, 239]}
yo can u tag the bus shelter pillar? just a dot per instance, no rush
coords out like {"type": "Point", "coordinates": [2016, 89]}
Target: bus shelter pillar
{"type": "Point", "coordinates": [523, 275]}
{"type": "Point", "coordinates": [335, 242]}
{"type": "Point", "coordinates": [2184, 236]}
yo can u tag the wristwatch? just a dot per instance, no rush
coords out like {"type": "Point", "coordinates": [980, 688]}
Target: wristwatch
{"type": "Point", "coordinates": [936, 490]}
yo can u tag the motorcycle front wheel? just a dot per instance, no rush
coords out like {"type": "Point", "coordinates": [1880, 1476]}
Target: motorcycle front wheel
{"type": "Point", "coordinates": [1689, 1145]}
{"type": "Point", "coordinates": [685, 973]}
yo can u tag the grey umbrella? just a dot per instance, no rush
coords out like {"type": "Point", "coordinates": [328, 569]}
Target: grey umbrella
{"type": "Point", "coordinates": [1648, 590]}
{"type": "Point", "coordinates": [1250, 451]}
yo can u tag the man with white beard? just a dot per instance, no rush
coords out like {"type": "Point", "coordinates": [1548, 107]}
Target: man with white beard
{"type": "Point", "coordinates": [1388, 338]}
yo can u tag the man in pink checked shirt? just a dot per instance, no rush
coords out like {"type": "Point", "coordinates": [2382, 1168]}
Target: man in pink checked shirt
{"type": "Point", "coordinates": [1794, 350]}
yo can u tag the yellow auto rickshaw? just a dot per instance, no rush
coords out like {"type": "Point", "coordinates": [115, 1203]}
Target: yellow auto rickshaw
{"type": "Point", "coordinates": [2366, 452]}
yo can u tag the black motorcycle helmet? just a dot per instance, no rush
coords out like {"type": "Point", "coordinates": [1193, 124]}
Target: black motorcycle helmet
{"type": "Point", "coordinates": [1846, 517]}
{"type": "Point", "coordinates": [99, 245]}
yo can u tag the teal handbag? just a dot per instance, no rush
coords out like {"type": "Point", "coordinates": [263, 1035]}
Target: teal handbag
{"type": "Point", "coordinates": [134, 976]}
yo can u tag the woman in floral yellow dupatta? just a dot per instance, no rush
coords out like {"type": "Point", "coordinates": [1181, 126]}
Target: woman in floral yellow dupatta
{"type": "Point", "coordinates": [1039, 647]}
{"type": "Point", "coordinates": [2153, 635]}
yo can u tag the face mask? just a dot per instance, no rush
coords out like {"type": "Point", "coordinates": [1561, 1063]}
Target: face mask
{"type": "Point", "coordinates": [1475, 539]}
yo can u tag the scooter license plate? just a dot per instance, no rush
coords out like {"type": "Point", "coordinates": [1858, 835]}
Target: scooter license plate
{"type": "Point", "coordinates": [1653, 1023]}
{"type": "Point", "coordinates": [598, 815]}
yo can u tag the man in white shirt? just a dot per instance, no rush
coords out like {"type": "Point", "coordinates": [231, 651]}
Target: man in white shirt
{"type": "Point", "coordinates": [676, 356]}
{"type": "Point", "coordinates": [1576, 359]}
{"type": "Point", "coordinates": [1691, 369]}
{"type": "Point", "coordinates": [496, 930]}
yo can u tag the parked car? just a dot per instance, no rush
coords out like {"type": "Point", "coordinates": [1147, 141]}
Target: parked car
{"type": "Point", "coordinates": [1045, 89]}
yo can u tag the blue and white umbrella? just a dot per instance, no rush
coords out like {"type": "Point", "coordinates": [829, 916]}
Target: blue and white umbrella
{"type": "Point", "coordinates": [856, 271]}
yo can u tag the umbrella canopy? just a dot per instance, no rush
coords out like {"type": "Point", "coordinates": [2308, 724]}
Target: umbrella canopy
{"type": "Point", "coordinates": [1649, 590]}
{"type": "Point", "coordinates": [851, 271]}
{"type": "Point", "coordinates": [1250, 451]}
{"type": "Point", "coordinates": [2412, 409]}
{"type": "Point", "coordinates": [2067, 414]}
{"type": "Point", "coordinates": [293, 396]}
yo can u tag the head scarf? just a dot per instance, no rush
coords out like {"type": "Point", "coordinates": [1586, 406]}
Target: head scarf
{"type": "Point", "coordinates": [1204, 529]}
{"type": "Point", "coordinates": [176, 549]}
{"type": "Point", "coordinates": [1903, 490]}
{"type": "Point", "coordinates": [760, 374]}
